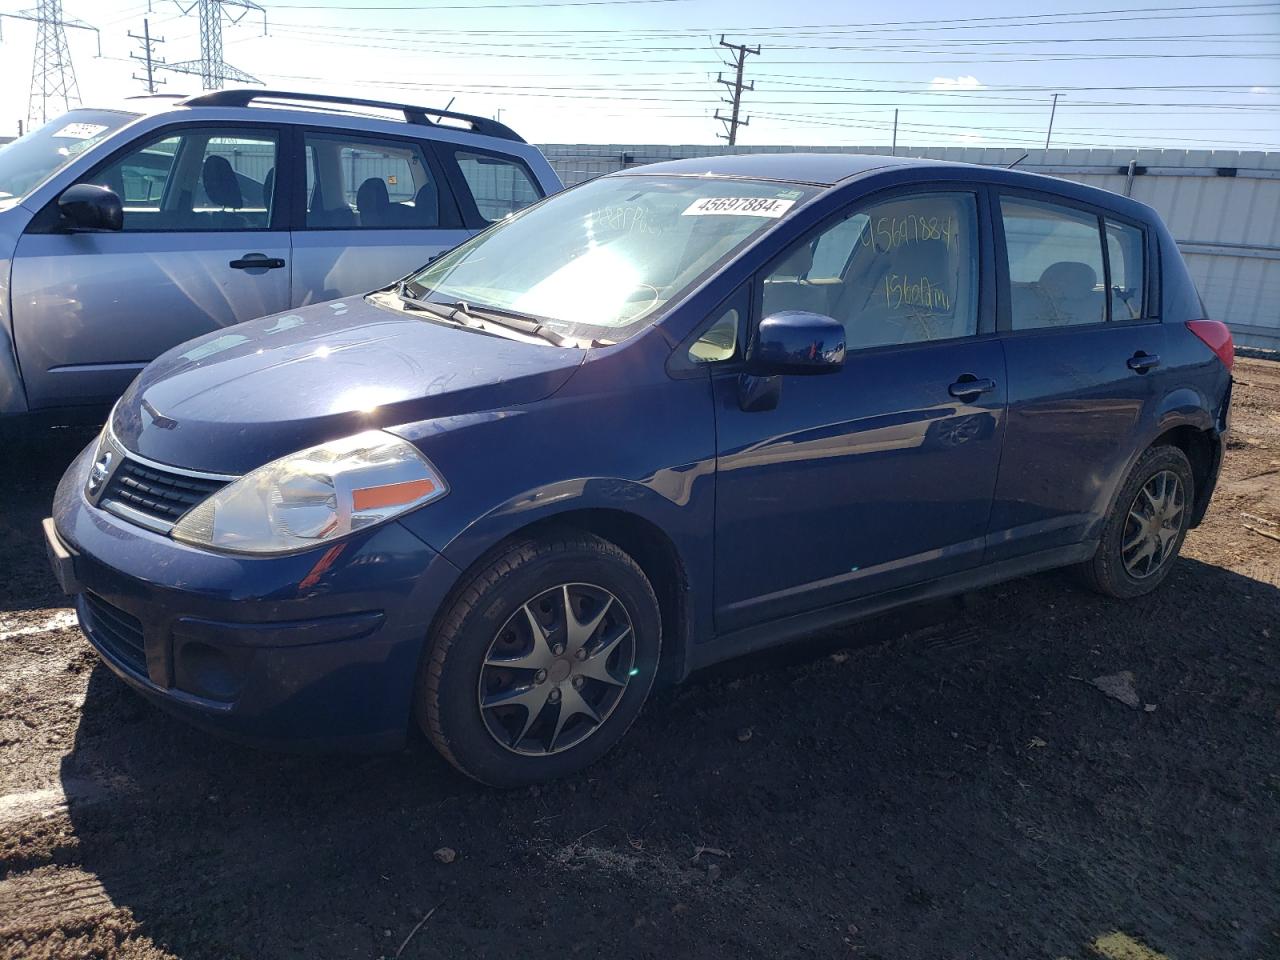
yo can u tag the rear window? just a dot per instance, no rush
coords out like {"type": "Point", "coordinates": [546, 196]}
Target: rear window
{"type": "Point", "coordinates": [499, 186]}
{"type": "Point", "coordinates": [1056, 271]}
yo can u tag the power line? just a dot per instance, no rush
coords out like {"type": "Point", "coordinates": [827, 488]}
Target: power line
{"type": "Point", "coordinates": [732, 122]}
{"type": "Point", "coordinates": [148, 55]}
{"type": "Point", "coordinates": [968, 23]}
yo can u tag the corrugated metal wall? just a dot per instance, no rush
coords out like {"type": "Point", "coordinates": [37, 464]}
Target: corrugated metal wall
{"type": "Point", "coordinates": [1223, 206]}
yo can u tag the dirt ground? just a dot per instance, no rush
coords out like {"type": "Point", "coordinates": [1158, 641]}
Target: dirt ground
{"type": "Point", "coordinates": [945, 783]}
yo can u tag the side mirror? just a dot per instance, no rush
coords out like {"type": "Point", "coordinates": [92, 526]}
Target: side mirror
{"type": "Point", "coordinates": [86, 206]}
{"type": "Point", "coordinates": [797, 342]}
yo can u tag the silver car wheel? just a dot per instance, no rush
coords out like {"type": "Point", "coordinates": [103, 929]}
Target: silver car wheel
{"type": "Point", "coordinates": [1153, 525]}
{"type": "Point", "coordinates": [557, 669]}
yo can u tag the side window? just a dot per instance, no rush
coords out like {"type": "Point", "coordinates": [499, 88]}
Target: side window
{"type": "Point", "coordinates": [198, 179]}
{"type": "Point", "coordinates": [499, 187]}
{"type": "Point", "coordinates": [901, 271]}
{"type": "Point", "coordinates": [354, 183]}
{"type": "Point", "coordinates": [1125, 247]}
{"type": "Point", "coordinates": [719, 342]}
{"type": "Point", "coordinates": [1055, 265]}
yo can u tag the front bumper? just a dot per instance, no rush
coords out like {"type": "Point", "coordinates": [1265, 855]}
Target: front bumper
{"type": "Point", "coordinates": [314, 650]}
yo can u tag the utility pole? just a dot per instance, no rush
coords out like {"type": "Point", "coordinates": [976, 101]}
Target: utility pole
{"type": "Point", "coordinates": [212, 70]}
{"type": "Point", "coordinates": [1052, 110]}
{"type": "Point", "coordinates": [53, 77]}
{"type": "Point", "coordinates": [731, 122]}
{"type": "Point", "coordinates": [147, 56]}
{"type": "Point", "coordinates": [893, 151]}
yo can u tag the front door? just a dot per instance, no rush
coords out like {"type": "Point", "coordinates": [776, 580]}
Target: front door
{"type": "Point", "coordinates": [880, 475]}
{"type": "Point", "coordinates": [202, 247]}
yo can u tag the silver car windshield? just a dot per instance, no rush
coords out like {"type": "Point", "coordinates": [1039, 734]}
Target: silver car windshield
{"type": "Point", "coordinates": [32, 159]}
{"type": "Point", "coordinates": [601, 261]}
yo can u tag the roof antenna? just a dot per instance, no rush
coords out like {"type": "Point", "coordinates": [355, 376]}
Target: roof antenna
{"type": "Point", "coordinates": [1018, 161]}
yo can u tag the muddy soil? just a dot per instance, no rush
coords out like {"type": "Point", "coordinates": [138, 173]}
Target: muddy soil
{"type": "Point", "coordinates": [944, 783]}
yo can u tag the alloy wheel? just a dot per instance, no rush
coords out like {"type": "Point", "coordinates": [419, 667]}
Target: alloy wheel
{"type": "Point", "coordinates": [556, 669]}
{"type": "Point", "coordinates": [1152, 526]}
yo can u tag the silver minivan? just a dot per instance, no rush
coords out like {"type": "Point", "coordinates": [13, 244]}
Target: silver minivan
{"type": "Point", "coordinates": [124, 233]}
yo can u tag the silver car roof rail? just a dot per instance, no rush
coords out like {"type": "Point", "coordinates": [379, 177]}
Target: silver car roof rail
{"type": "Point", "coordinates": [412, 113]}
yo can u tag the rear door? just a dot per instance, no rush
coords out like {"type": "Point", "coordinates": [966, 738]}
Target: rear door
{"type": "Point", "coordinates": [1082, 348]}
{"type": "Point", "coordinates": [203, 246]}
{"type": "Point", "coordinates": [374, 209]}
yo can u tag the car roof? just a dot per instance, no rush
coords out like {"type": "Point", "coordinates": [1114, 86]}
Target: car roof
{"type": "Point", "coordinates": [831, 169]}
{"type": "Point", "coordinates": [822, 169]}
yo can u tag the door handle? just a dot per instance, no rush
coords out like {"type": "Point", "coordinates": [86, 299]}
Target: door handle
{"type": "Point", "coordinates": [969, 386]}
{"type": "Point", "coordinates": [1142, 362]}
{"type": "Point", "coordinates": [251, 261]}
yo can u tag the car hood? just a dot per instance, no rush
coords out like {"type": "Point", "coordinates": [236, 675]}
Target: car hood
{"type": "Point", "coordinates": [234, 399]}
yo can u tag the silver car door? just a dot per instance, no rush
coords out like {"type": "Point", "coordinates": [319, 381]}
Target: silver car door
{"type": "Point", "coordinates": [202, 247]}
{"type": "Point", "coordinates": [376, 208]}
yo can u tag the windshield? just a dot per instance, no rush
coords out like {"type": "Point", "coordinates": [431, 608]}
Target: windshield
{"type": "Point", "coordinates": [602, 260]}
{"type": "Point", "coordinates": [32, 159]}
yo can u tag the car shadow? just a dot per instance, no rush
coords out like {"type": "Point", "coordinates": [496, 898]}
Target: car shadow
{"type": "Point", "coordinates": [945, 783]}
{"type": "Point", "coordinates": [29, 473]}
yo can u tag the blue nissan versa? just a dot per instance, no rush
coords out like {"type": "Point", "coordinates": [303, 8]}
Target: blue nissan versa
{"type": "Point", "coordinates": [664, 418]}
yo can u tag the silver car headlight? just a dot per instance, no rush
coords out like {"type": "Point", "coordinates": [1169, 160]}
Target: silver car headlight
{"type": "Point", "coordinates": [318, 494]}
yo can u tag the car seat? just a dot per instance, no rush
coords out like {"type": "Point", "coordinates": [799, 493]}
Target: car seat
{"type": "Point", "coordinates": [426, 206]}
{"type": "Point", "coordinates": [787, 286]}
{"type": "Point", "coordinates": [1068, 290]}
{"type": "Point", "coordinates": [905, 295]}
{"type": "Point", "coordinates": [222, 188]}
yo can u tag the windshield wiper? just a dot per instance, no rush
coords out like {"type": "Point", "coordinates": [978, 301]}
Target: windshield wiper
{"type": "Point", "coordinates": [521, 322]}
{"type": "Point", "coordinates": [483, 317]}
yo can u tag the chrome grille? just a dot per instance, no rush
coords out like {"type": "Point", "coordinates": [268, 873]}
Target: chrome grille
{"type": "Point", "coordinates": [155, 492]}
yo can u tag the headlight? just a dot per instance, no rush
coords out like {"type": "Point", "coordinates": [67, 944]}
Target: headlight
{"type": "Point", "coordinates": [315, 495]}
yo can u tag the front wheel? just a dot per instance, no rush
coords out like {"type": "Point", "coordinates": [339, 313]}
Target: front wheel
{"type": "Point", "coordinates": [541, 662]}
{"type": "Point", "coordinates": [1146, 527]}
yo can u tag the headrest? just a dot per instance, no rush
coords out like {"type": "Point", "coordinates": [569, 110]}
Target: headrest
{"type": "Point", "coordinates": [1068, 278]}
{"type": "Point", "coordinates": [221, 185]}
{"type": "Point", "coordinates": [927, 258]}
{"type": "Point", "coordinates": [268, 187]}
{"type": "Point", "coordinates": [798, 263]}
{"type": "Point", "coordinates": [372, 196]}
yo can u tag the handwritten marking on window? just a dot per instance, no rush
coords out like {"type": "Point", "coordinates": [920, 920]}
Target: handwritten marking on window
{"type": "Point", "coordinates": [890, 233]}
{"type": "Point", "coordinates": [900, 291]}
{"type": "Point", "coordinates": [628, 219]}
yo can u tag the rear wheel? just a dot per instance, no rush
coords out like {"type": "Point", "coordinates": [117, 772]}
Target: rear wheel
{"type": "Point", "coordinates": [542, 661]}
{"type": "Point", "coordinates": [1146, 527]}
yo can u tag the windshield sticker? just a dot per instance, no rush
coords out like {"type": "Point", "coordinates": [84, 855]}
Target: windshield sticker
{"type": "Point", "coordinates": [80, 131]}
{"type": "Point", "coordinates": [738, 207]}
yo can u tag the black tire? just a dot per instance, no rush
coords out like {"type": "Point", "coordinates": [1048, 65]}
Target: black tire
{"type": "Point", "coordinates": [1106, 572]}
{"type": "Point", "coordinates": [449, 682]}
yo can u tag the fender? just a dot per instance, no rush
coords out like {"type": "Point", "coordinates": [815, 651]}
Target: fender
{"type": "Point", "coordinates": [1182, 407]}
{"type": "Point", "coordinates": [13, 396]}
{"type": "Point", "coordinates": [621, 439]}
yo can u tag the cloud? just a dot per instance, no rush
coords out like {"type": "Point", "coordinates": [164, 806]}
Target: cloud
{"type": "Point", "coordinates": [956, 83]}
{"type": "Point", "coordinates": [1260, 90]}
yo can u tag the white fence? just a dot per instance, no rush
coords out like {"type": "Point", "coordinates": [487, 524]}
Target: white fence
{"type": "Point", "coordinates": [1223, 206]}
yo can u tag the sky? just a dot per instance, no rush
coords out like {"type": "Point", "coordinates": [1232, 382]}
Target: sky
{"type": "Point", "coordinates": [644, 71]}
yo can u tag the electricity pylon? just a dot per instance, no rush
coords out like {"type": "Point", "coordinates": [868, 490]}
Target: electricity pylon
{"type": "Point", "coordinates": [212, 70]}
{"type": "Point", "coordinates": [53, 78]}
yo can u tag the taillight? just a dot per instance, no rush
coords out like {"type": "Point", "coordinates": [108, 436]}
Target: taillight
{"type": "Point", "coordinates": [1217, 338]}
